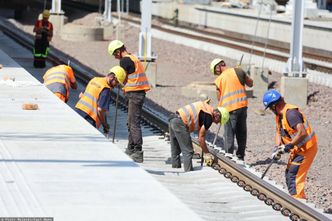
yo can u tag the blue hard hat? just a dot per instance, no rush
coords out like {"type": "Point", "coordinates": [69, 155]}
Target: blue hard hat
{"type": "Point", "coordinates": [271, 97]}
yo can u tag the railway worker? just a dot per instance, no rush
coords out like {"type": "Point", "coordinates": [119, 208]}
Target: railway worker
{"type": "Point", "coordinates": [44, 33]}
{"type": "Point", "coordinates": [135, 89]}
{"type": "Point", "coordinates": [95, 101]}
{"type": "Point", "coordinates": [195, 117]}
{"type": "Point", "coordinates": [58, 79]}
{"type": "Point", "coordinates": [295, 136]}
{"type": "Point", "coordinates": [230, 84]}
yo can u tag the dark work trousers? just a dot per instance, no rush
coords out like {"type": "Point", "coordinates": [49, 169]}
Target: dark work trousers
{"type": "Point", "coordinates": [135, 105]}
{"type": "Point", "coordinates": [40, 52]}
{"type": "Point", "coordinates": [236, 126]}
{"type": "Point", "coordinates": [180, 142]}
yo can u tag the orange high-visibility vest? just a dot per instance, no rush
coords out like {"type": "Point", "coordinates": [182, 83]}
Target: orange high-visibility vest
{"type": "Point", "coordinates": [309, 141]}
{"type": "Point", "coordinates": [39, 24]}
{"type": "Point", "coordinates": [88, 101]}
{"type": "Point", "coordinates": [232, 92]}
{"type": "Point", "coordinates": [189, 114]}
{"type": "Point", "coordinates": [56, 80]}
{"type": "Point", "coordinates": [137, 81]}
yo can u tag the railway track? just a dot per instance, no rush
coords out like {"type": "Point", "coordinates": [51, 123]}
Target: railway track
{"type": "Point", "coordinates": [157, 123]}
{"type": "Point", "coordinates": [312, 60]}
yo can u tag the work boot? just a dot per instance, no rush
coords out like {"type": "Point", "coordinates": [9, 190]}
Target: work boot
{"type": "Point", "coordinates": [129, 151]}
{"type": "Point", "coordinates": [137, 156]}
{"type": "Point", "coordinates": [240, 157]}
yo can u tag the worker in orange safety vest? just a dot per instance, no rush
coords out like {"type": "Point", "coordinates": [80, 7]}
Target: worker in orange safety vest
{"type": "Point", "coordinates": [231, 94]}
{"type": "Point", "coordinates": [295, 136]}
{"type": "Point", "coordinates": [195, 117]}
{"type": "Point", "coordinates": [95, 101]}
{"type": "Point", "coordinates": [135, 89]}
{"type": "Point", "coordinates": [59, 79]}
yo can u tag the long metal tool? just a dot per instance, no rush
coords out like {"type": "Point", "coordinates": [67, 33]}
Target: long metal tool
{"type": "Point", "coordinates": [116, 113]}
{"type": "Point", "coordinates": [268, 167]}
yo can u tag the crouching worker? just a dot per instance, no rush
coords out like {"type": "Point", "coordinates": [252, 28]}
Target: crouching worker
{"type": "Point", "coordinates": [95, 101]}
{"type": "Point", "coordinates": [195, 117]}
{"type": "Point", "coordinates": [58, 79]}
{"type": "Point", "coordinates": [294, 136]}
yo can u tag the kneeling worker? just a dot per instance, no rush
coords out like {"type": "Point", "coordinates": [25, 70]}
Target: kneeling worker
{"type": "Point", "coordinates": [195, 117]}
{"type": "Point", "coordinates": [294, 136]}
{"type": "Point", "coordinates": [58, 79]}
{"type": "Point", "coordinates": [95, 100]}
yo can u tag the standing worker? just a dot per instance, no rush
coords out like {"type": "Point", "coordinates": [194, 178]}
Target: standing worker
{"type": "Point", "coordinates": [58, 79]}
{"type": "Point", "coordinates": [231, 94]}
{"type": "Point", "coordinates": [95, 100]}
{"type": "Point", "coordinates": [295, 136]}
{"type": "Point", "coordinates": [195, 117]}
{"type": "Point", "coordinates": [135, 89]}
{"type": "Point", "coordinates": [44, 33]}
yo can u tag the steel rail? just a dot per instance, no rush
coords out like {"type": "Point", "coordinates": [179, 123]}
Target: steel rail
{"type": "Point", "coordinates": [230, 36]}
{"type": "Point", "coordinates": [247, 49]}
{"type": "Point", "coordinates": [259, 188]}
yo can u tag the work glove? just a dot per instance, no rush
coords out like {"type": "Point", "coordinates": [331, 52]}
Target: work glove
{"type": "Point", "coordinates": [106, 128]}
{"type": "Point", "coordinates": [208, 159]}
{"type": "Point", "coordinates": [277, 151]}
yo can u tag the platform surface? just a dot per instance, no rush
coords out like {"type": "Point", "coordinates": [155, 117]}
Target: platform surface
{"type": "Point", "coordinates": [55, 164]}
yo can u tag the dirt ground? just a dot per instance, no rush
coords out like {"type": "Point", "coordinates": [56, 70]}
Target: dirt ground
{"type": "Point", "coordinates": [180, 65]}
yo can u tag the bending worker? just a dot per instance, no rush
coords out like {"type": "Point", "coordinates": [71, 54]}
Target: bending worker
{"type": "Point", "coordinates": [95, 100]}
{"type": "Point", "coordinates": [195, 117]}
{"type": "Point", "coordinates": [231, 94]}
{"type": "Point", "coordinates": [295, 136]}
{"type": "Point", "coordinates": [58, 79]}
{"type": "Point", "coordinates": [135, 88]}
{"type": "Point", "coordinates": [44, 33]}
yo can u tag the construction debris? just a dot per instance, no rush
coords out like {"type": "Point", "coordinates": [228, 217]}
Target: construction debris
{"type": "Point", "coordinates": [30, 106]}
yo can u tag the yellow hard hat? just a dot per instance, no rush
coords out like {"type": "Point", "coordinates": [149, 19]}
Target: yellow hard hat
{"type": "Point", "coordinates": [119, 73]}
{"type": "Point", "coordinates": [224, 115]}
{"type": "Point", "coordinates": [46, 13]}
{"type": "Point", "coordinates": [114, 45]}
{"type": "Point", "coordinates": [214, 63]}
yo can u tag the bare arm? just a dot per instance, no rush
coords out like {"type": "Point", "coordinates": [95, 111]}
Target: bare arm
{"type": "Point", "coordinates": [218, 93]}
{"type": "Point", "coordinates": [300, 135]}
{"type": "Point", "coordinates": [102, 116]}
{"type": "Point", "coordinates": [73, 85]}
{"type": "Point", "coordinates": [201, 139]}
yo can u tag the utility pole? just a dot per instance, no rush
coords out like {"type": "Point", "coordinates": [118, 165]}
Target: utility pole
{"type": "Point", "coordinates": [295, 64]}
{"type": "Point", "coordinates": [145, 44]}
{"type": "Point", "coordinates": [294, 84]}
{"type": "Point", "coordinates": [56, 7]}
{"type": "Point", "coordinates": [108, 11]}
{"type": "Point", "coordinates": [144, 47]}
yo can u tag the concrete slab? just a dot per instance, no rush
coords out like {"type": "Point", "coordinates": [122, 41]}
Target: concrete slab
{"type": "Point", "coordinates": [55, 164]}
{"type": "Point", "coordinates": [294, 90]}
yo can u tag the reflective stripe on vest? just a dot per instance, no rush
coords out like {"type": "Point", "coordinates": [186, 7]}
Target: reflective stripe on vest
{"type": "Point", "coordinates": [137, 81]}
{"type": "Point", "coordinates": [190, 114]}
{"type": "Point", "coordinates": [309, 141]}
{"type": "Point", "coordinates": [232, 92]}
{"type": "Point", "coordinates": [88, 101]}
{"type": "Point", "coordinates": [56, 79]}
{"type": "Point", "coordinates": [89, 105]}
